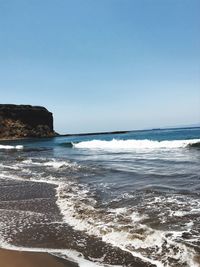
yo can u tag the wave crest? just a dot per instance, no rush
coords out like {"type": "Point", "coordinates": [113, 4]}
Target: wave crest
{"type": "Point", "coordinates": [135, 144]}
{"type": "Point", "coordinates": [11, 147]}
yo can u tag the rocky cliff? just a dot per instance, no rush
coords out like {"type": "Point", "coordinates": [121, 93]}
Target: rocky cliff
{"type": "Point", "coordinates": [18, 121]}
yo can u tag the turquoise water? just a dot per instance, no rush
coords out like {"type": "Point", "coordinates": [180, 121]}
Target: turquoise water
{"type": "Point", "coordinates": [136, 196]}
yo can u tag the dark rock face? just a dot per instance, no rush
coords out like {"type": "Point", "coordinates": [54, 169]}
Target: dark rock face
{"type": "Point", "coordinates": [18, 121]}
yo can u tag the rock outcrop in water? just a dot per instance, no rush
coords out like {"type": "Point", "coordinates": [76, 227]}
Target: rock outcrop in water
{"type": "Point", "coordinates": [19, 121]}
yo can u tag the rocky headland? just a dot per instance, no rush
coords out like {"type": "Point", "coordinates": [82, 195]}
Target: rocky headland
{"type": "Point", "coordinates": [24, 121]}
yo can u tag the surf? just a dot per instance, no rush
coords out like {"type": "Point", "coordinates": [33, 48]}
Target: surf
{"type": "Point", "coordinates": [8, 147]}
{"type": "Point", "coordinates": [137, 144]}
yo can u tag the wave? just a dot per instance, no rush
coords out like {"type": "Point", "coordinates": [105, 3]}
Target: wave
{"type": "Point", "coordinates": [136, 144]}
{"type": "Point", "coordinates": [196, 145]}
{"type": "Point", "coordinates": [50, 163]}
{"type": "Point", "coordinates": [11, 147]}
{"type": "Point", "coordinates": [66, 144]}
{"type": "Point", "coordinates": [123, 228]}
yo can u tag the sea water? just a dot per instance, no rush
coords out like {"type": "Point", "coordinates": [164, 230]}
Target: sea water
{"type": "Point", "coordinates": [129, 199]}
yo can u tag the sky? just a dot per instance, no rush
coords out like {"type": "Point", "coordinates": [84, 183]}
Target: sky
{"type": "Point", "coordinates": [103, 65]}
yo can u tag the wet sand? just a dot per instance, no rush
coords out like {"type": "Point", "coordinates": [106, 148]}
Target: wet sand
{"type": "Point", "coordinates": [10, 258]}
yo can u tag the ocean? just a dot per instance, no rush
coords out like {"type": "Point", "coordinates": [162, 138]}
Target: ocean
{"type": "Point", "coordinates": [130, 199]}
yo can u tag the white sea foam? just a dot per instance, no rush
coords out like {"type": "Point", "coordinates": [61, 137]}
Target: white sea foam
{"type": "Point", "coordinates": [11, 147]}
{"type": "Point", "coordinates": [107, 231]}
{"type": "Point", "coordinates": [135, 237]}
{"type": "Point", "coordinates": [92, 226]}
{"type": "Point", "coordinates": [68, 254]}
{"type": "Point", "coordinates": [72, 198]}
{"type": "Point", "coordinates": [9, 167]}
{"type": "Point", "coordinates": [134, 144]}
{"type": "Point", "coordinates": [51, 163]}
{"type": "Point", "coordinates": [59, 164]}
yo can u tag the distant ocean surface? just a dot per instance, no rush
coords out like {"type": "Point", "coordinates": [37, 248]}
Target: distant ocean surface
{"type": "Point", "coordinates": [128, 199]}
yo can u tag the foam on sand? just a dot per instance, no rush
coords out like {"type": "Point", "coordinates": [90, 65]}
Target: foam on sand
{"type": "Point", "coordinates": [112, 230]}
{"type": "Point", "coordinates": [67, 254]}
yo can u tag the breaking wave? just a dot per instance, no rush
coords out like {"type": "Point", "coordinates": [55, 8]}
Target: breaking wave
{"type": "Point", "coordinates": [124, 228]}
{"type": "Point", "coordinates": [196, 145]}
{"type": "Point", "coordinates": [66, 144]}
{"type": "Point", "coordinates": [11, 147]}
{"type": "Point", "coordinates": [136, 144]}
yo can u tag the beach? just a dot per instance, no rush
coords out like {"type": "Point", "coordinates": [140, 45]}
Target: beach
{"type": "Point", "coordinates": [11, 258]}
{"type": "Point", "coordinates": [99, 133]}
{"type": "Point", "coordinates": [129, 199]}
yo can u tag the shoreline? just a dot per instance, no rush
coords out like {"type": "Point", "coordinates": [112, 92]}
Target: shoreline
{"type": "Point", "coordinates": [59, 135]}
{"type": "Point", "coordinates": [15, 258]}
{"type": "Point", "coordinates": [26, 138]}
{"type": "Point", "coordinates": [5, 139]}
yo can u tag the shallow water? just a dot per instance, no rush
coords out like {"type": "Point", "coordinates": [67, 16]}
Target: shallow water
{"type": "Point", "coordinates": [127, 200]}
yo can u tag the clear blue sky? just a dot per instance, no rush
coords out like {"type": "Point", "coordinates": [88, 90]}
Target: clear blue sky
{"type": "Point", "coordinates": [102, 65]}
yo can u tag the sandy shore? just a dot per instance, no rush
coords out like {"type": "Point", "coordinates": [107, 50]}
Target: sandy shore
{"type": "Point", "coordinates": [10, 258]}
